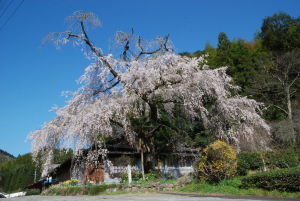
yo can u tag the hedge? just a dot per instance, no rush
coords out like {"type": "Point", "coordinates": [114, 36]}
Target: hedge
{"type": "Point", "coordinates": [285, 158]}
{"type": "Point", "coordinates": [249, 161]}
{"type": "Point", "coordinates": [283, 180]}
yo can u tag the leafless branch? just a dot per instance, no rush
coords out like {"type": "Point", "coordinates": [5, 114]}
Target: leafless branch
{"type": "Point", "coordinates": [163, 46]}
{"type": "Point", "coordinates": [294, 80]}
{"type": "Point", "coordinates": [280, 108]}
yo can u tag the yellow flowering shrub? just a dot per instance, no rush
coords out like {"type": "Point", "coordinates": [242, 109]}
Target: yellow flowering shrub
{"type": "Point", "coordinates": [71, 182]}
{"type": "Point", "coordinates": [217, 162]}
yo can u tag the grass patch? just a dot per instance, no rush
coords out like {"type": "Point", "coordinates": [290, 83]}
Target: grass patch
{"type": "Point", "coordinates": [232, 187]}
{"type": "Point", "coordinates": [168, 181]}
{"type": "Point", "coordinates": [225, 187]}
{"type": "Point", "coordinates": [78, 190]}
{"type": "Point", "coordinates": [33, 192]}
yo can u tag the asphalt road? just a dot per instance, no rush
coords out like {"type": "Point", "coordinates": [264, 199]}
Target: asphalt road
{"type": "Point", "coordinates": [147, 197]}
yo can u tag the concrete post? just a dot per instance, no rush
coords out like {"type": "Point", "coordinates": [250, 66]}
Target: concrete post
{"type": "Point", "coordinates": [129, 174]}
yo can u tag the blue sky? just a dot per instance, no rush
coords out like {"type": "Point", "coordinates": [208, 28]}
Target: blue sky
{"type": "Point", "coordinates": [33, 77]}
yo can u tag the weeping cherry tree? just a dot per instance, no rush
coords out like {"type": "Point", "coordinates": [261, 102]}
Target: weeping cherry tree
{"type": "Point", "coordinates": [147, 76]}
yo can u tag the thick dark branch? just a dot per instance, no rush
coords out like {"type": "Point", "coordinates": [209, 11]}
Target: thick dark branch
{"type": "Point", "coordinates": [83, 31]}
{"type": "Point", "coordinates": [106, 89]}
{"type": "Point", "coordinates": [152, 52]}
{"type": "Point", "coordinates": [94, 49]}
{"type": "Point", "coordinates": [116, 123]}
{"type": "Point", "coordinates": [126, 48]}
{"type": "Point", "coordinates": [112, 79]}
{"type": "Point", "coordinates": [155, 129]}
{"type": "Point", "coordinates": [166, 42]}
{"type": "Point", "coordinates": [153, 112]}
{"type": "Point", "coordinates": [163, 46]}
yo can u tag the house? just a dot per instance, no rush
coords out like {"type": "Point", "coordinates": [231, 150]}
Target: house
{"type": "Point", "coordinates": [169, 165]}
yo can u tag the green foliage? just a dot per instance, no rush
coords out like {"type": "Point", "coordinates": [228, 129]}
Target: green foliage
{"type": "Point", "coordinates": [5, 156]}
{"type": "Point", "coordinates": [166, 132]}
{"type": "Point", "coordinates": [136, 176]}
{"type": "Point", "coordinates": [248, 161]}
{"type": "Point", "coordinates": [152, 175]}
{"type": "Point", "coordinates": [282, 179]}
{"type": "Point", "coordinates": [17, 173]}
{"type": "Point", "coordinates": [33, 192]}
{"type": "Point", "coordinates": [280, 32]}
{"type": "Point", "coordinates": [98, 189]}
{"type": "Point", "coordinates": [78, 190]}
{"type": "Point", "coordinates": [168, 181]}
{"type": "Point", "coordinates": [240, 57]}
{"type": "Point", "coordinates": [285, 158]}
{"type": "Point", "coordinates": [232, 187]}
{"type": "Point", "coordinates": [256, 65]}
{"type": "Point", "coordinates": [224, 46]}
{"type": "Point", "coordinates": [217, 162]}
{"type": "Point", "coordinates": [71, 182]}
{"type": "Point", "coordinates": [61, 155]}
{"type": "Point", "coordinates": [273, 113]}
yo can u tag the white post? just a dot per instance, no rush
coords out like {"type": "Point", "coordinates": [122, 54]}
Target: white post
{"type": "Point", "coordinates": [129, 174]}
{"type": "Point", "coordinates": [34, 175]}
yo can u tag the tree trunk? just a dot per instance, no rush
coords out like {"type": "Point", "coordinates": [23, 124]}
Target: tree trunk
{"type": "Point", "coordinates": [153, 112]}
{"type": "Point", "coordinates": [142, 164]}
{"type": "Point", "coordinates": [263, 161]}
{"type": "Point", "coordinates": [142, 158]}
{"type": "Point", "coordinates": [288, 101]}
{"type": "Point", "coordinates": [290, 115]}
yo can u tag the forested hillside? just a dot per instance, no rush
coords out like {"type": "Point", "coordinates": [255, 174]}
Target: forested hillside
{"type": "Point", "coordinates": [17, 173]}
{"type": "Point", "coordinates": [5, 156]}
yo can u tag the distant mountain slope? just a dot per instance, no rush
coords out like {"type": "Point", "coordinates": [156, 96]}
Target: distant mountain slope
{"type": "Point", "coordinates": [5, 156]}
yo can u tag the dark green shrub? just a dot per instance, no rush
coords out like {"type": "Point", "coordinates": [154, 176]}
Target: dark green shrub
{"type": "Point", "coordinates": [248, 161]}
{"type": "Point", "coordinates": [285, 158]}
{"type": "Point", "coordinates": [283, 180]}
